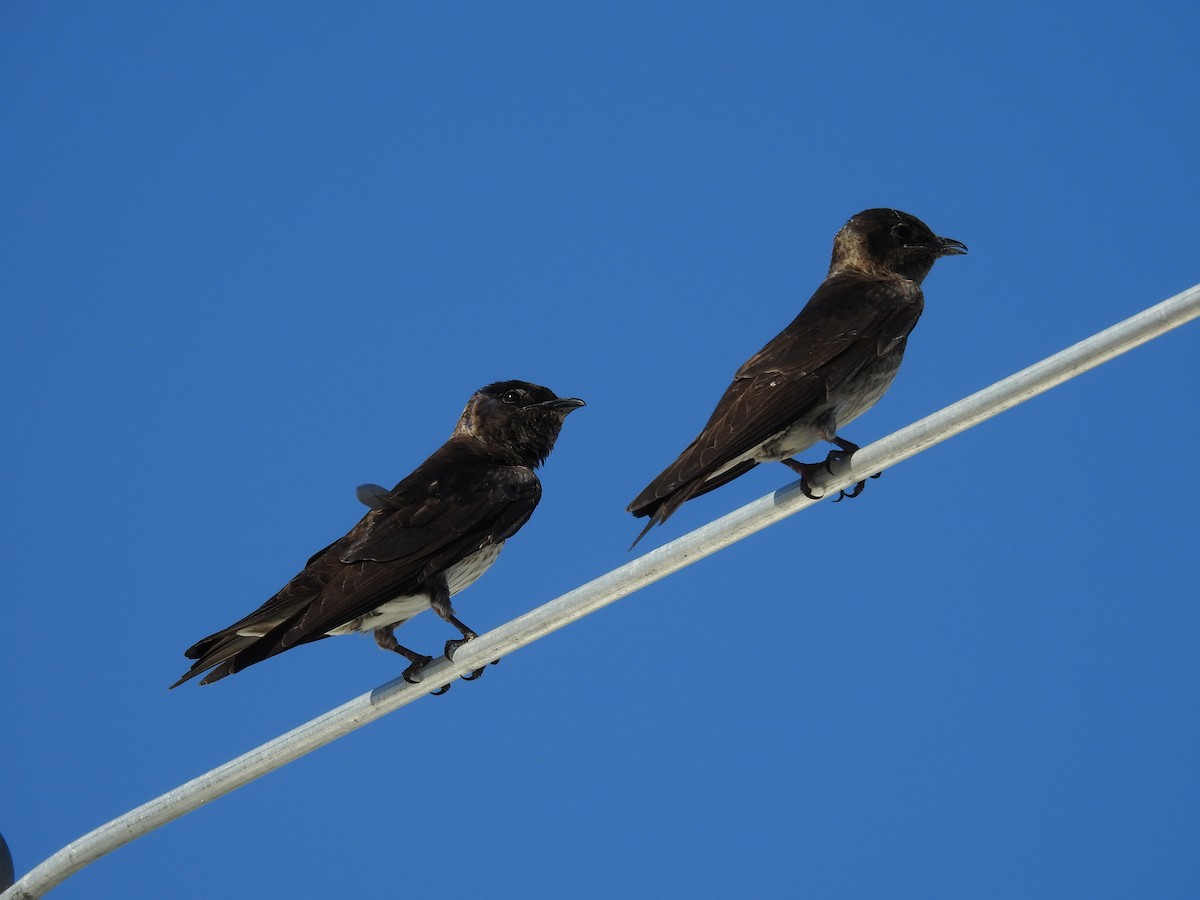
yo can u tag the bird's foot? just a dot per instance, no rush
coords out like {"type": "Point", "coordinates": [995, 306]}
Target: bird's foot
{"type": "Point", "coordinates": [452, 646]}
{"type": "Point", "coordinates": [852, 493]}
{"type": "Point", "coordinates": [856, 490]}
{"type": "Point", "coordinates": [477, 673]}
{"type": "Point", "coordinates": [418, 663]}
{"type": "Point", "coordinates": [410, 675]}
{"type": "Point", "coordinates": [838, 461]}
{"type": "Point", "coordinates": [835, 463]}
{"type": "Point", "coordinates": [806, 471]}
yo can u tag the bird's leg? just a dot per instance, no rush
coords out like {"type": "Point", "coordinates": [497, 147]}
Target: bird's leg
{"type": "Point", "coordinates": [440, 601]}
{"type": "Point", "coordinates": [386, 639]}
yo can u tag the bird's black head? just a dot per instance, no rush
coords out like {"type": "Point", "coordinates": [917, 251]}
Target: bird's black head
{"type": "Point", "coordinates": [516, 421]}
{"type": "Point", "coordinates": [890, 241]}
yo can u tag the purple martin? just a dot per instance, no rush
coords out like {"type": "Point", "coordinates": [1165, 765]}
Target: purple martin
{"type": "Point", "coordinates": [425, 540]}
{"type": "Point", "coordinates": [828, 367]}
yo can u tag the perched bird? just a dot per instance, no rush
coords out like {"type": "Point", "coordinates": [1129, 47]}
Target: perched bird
{"type": "Point", "coordinates": [7, 875]}
{"type": "Point", "coordinates": [425, 540]}
{"type": "Point", "coordinates": [829, 366]}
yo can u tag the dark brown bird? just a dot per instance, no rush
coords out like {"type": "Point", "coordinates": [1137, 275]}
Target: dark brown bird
{"type": "Point", "coordinates": [828, 367]}
{"type": "Point", "coordinates": [425, 540]}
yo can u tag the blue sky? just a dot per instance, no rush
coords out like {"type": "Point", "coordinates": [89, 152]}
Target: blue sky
{"type": "Point", "coordinates": [255, 255]}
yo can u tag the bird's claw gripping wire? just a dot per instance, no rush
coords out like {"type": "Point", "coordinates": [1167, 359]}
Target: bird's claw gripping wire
{"type": "Point", "coordinates": [452, 648]}
{"type": "Point", "coordinates": [410, 673]}
{"type": "Point", "coordinates": [836, 461]}
{"type": "Point", "coordinates": [477, 673]}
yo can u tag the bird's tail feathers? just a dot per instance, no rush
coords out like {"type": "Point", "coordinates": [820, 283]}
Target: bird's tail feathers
{"type": "Point", "coordinates": [228, 652]}
{"type": "Point", "coordinates": [661, 510]}
{"type": "Point", "coordinates": [213, 651]}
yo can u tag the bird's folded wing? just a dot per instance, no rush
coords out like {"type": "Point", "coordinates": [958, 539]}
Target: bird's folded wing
{"type": "Point", "coordinates": [416, 536]}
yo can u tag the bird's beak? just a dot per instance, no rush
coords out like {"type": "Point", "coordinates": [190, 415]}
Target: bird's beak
{"type": "Point", "coordinates": [950, 247]}
{"type": "Point", "coordinates": [564, 403]}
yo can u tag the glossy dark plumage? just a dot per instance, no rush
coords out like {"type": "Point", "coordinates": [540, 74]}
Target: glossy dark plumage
{"type": "Point", "coordinates": [430, 536]}
{"type": "Point", "coordinates": [830, 365]}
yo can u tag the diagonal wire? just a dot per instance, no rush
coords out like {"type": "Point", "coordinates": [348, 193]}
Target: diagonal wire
{"type": "Point", "coordinates": [600, 592]}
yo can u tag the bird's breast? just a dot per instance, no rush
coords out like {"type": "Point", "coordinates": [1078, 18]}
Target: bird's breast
{"type": "Point", "coordinates": [860, 393]}
{"type": "Point", "coordinates": [465, 572]}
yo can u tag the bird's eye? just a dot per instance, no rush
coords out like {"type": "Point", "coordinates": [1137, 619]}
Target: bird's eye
{"type": "Point", "coordinates": [902, 232]}
{"type": "Point", "coordinates": [511, 397]}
